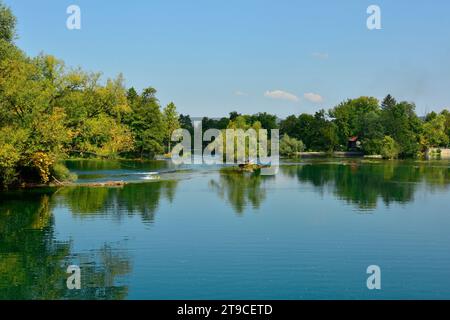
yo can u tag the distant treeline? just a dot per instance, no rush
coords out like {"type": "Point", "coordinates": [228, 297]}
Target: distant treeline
{"type": "Point", "coordinates": [390, 128]}
{"type": "Point", "coordinates": [49, 112]}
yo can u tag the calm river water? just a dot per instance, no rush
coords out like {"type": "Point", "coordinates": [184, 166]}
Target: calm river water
{"type": "Point", "coordinates": [310, 232]}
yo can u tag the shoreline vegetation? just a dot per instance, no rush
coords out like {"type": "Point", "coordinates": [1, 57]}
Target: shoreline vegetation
{"type": "Point", "coordinates": [50, 113]}
{"type": "Point", "coordinates": [246, 170]}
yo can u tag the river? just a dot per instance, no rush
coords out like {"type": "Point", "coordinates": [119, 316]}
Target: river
{"type": "Point", "coordinates": [309, 232]}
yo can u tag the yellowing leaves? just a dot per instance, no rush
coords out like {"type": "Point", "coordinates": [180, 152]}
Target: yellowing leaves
{"type": "Point", "coordinates": [43, 163]}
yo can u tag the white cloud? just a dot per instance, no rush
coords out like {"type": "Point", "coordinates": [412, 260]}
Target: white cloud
{"type": "Point", "coordinates": [313, 97]}
{"type": "Point", "coordinates": [281, 95]}
{"type": "Point", "coordinates": [240, 93]}
{"type": "Point", "coordinates": [320, 55]}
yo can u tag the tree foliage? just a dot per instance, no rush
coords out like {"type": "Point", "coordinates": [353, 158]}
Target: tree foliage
{"type": "Point", "coordinates": [434, 132]}
{"type": "Point", "coordinates": [49, 112]}
{"type": "Point", "coordinates": [7, 24]}
{"type": "Point", "coordinates": [146, 122]}
{"type": "Point", "coordinates": [370, 123]}
{"type": "Point", "coordinates": [290, 146]}
{"type": "Point", "coordinates": [390, 148]}
{"type": "Point", "coordinates": [171, 120]}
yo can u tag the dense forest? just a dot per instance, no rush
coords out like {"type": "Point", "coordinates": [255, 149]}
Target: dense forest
{"type": "Point", "coordinates": [49, 112]}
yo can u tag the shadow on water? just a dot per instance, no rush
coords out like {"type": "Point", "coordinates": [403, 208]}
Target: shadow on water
{"type": "Point", "coordinates": [33, 264]}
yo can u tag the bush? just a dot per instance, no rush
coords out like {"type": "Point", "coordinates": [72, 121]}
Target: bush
{"type": "Point", "coordinates": [390, 148]}
{"type": "Point", "coordinates": [290, 146]}
{"type": "Point", "coordinates": [8, 177]}
{"type": "Point", "coordinates": [60, 172]}
{"type": "Point", "coordinates": [372, 146]}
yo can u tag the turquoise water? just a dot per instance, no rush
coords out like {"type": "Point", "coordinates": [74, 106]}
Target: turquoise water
{"type": "Point", "coordinates": [309, 232]}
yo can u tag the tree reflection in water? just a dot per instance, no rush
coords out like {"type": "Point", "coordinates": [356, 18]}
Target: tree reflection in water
{"type": "Point", "coordinates": [240, 189]}
{"type": "Point", "coordinates": [33, 264]}
{"type": "Point", "coordinates": [359, 182]}
{"type": "Point", "coordinates": [362, 184]}
{"type": "Point", "coordinates": [140, 198]}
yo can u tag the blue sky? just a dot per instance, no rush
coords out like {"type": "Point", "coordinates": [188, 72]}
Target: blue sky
{"type": "Point", "coordinates": [283, 57]}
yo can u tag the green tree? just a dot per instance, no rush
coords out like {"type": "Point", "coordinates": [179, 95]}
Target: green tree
{"type": "Point", "coordinates": [390, 148]}
{"type": "Point", "coordinates": [402, 124]}
{"type": "Point", "coordinates": [28, 91]}
{"type": "Point", "coordinates": [171, 122]}
{"type": "Point", "coordinates": [446, 114]}
{"type": "Point", "coordinates": [388, 102]}
{"type": "Point", "coordinates": [290, 126]}
{"type": "Point", "coordinates": [315, 131]}
{"type": "Point", "coordinates": [7, 24]}
{"type": "Point", "coordinates": [434, 132]}
{"type": "Point", "coordinates": [105, 137]}
{"type": "Point", "coordinates": [234, 115]}
{"type": "Point", "coordinates": [12, 149]}
{"type": "Point", "coordinates": [186, 123]}
{"type": "Point", "coordinates": [330, 136]}
{"type": "Point", "coordinates": [351, 117]}
{"type": "Point", "coordinates": [290, 146]}
{"type": "Point", "coordinates": [372, 140]}
{"type": "Point", "coordinates": [268, 121]}
{"type": "Point", "coordinates": [306, 133]}
{"type": "Point", "coordinates": [430, 116]}
{"type": "Point", "coordinates": [146, 122]}
{"type": "Point", "coordinates": [324, 133]}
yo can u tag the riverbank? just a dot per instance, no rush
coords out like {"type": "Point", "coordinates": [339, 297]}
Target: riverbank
{"type": "Point", "coordinates": [336, 154]}
{"type": "Point", "coordinates": [71, 184]}
{"type": "Point", "coordinates": [118, 173]}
